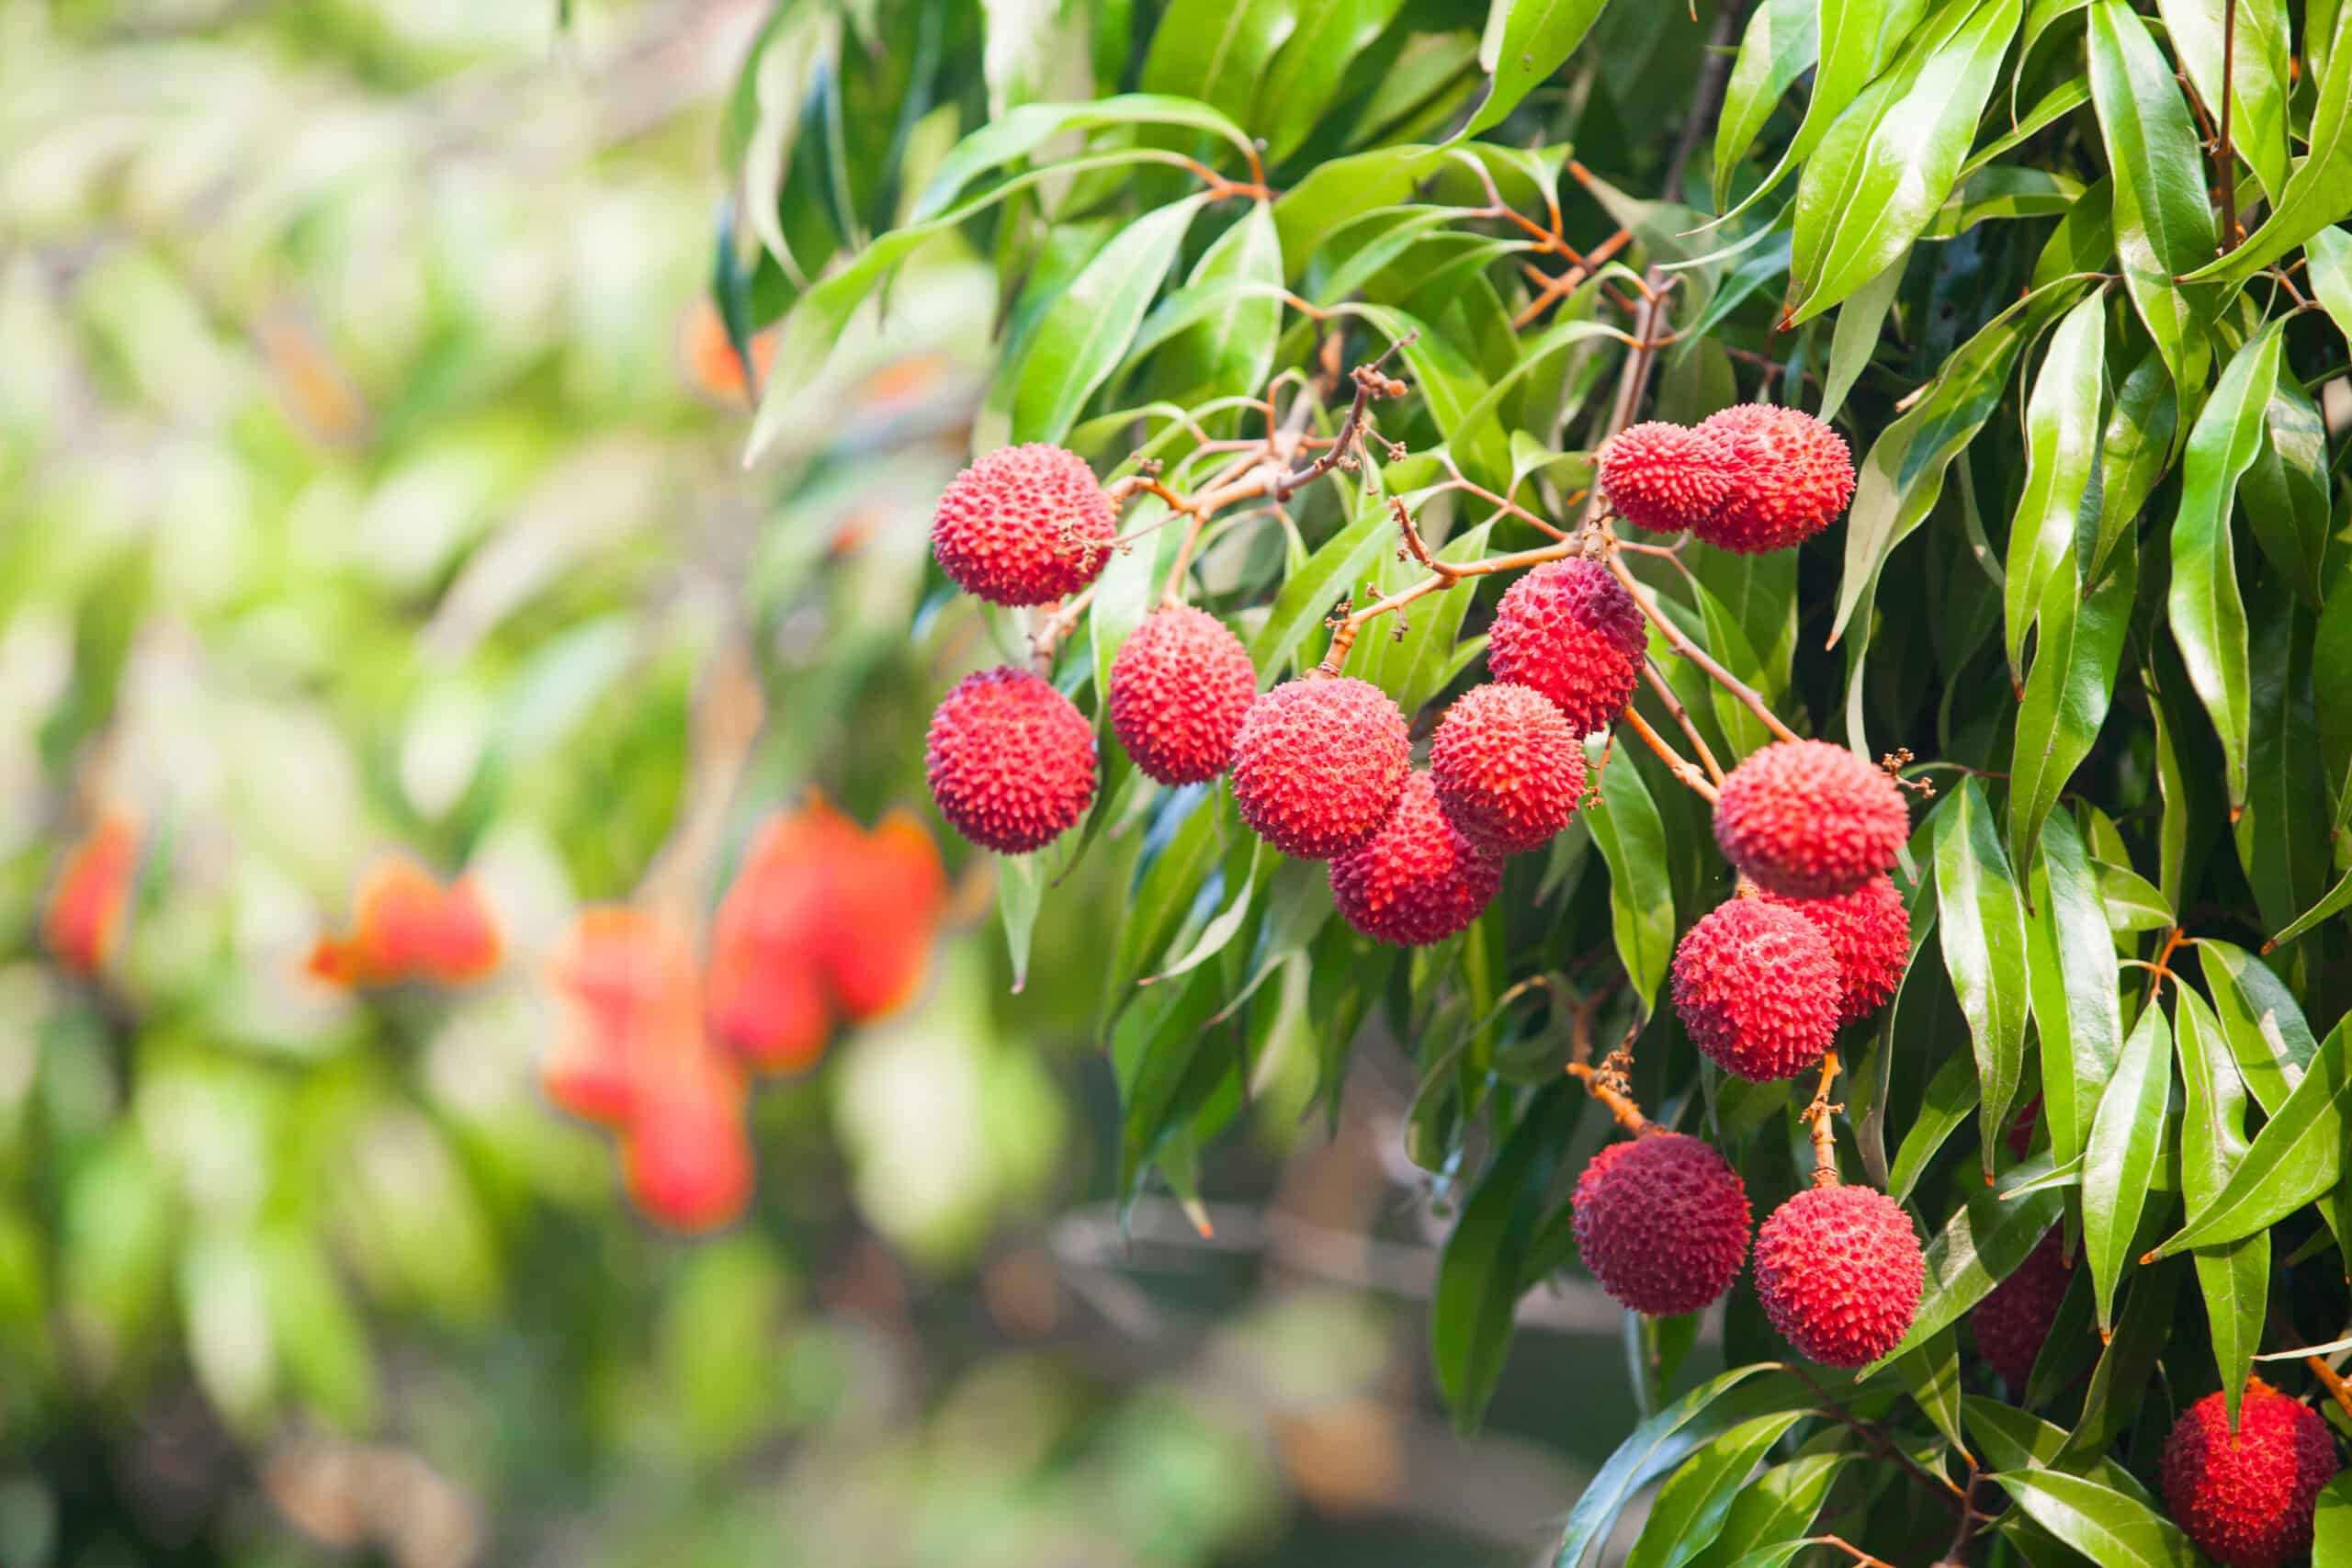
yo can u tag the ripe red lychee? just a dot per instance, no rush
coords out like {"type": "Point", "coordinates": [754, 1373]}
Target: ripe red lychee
{"type": "Point", "coordinates": [1179, 689]}
{"type": "Point", "coordinates": [1666, 476]}
{"type": "Point", "coordinates": [1662, 1223]}
{"type": "Point", "coordinates": [2011, 1322]}
{"type": "Point", "coordinates": [1509, 770]}
{"type": "Point", "coordinates": [1319, 764]}
{"type": "Point", "coordinates": [1839, 1271]}
{"type": "Point", "coordinates": [1010, 760]}
{"type": "Point", "coordinates": [1571, 631]}
{"type": "Point", "coordinates": [1790, 475]}
{"type": "Point", "coordinates": [1869, 932]}
{"type": "Point", "coordinates": [1024, 526]}
{"type": "Point", "coordinates": [1417, 880]}
{"type": "Point", "coordinates": [1808, 820]}
{"type": "Point", "coordinates": [1757, 988]}
{"type": "Point", "coordinates": [2248, 1499]}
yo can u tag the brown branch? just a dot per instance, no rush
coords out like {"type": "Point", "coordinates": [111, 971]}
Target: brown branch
{"type": "Point", "coordinates": [1675, 763]}
{"type": "Point", "coordinates": [1606, 1083]}
{"type": "Point", "coordinates": [1683, 719]}
{"type": "Point", "coordinates": [1441, 577]}
{"type": "Point", "coordinates": [1819, 1116]}
{"type": "Point", "coordinates": [2224, 155]}
{"type": "Point", "coordinates": [1875, 1435]}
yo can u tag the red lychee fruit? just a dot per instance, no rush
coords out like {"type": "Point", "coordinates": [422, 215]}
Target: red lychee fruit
{"type": "Point", "coordinates": [1417, 880]}
{"type": "Point", "coordinates": [689, 1166]}
{"type": "Point", "coordinates": [1179, 689]}
{"type": "Point", "coordinates": [1024, 526]}
{"type": "Point", "coordinates": [1571, 631]}
{"type": "Point", "coordinates": [85, 906]}
{"type": "Point", "coordinates": [888, 902]}
{"type": "Point", "coordinates": [2011, 1322]}
{"type": "Point", "coordinates": [1790, 475]}
{"type": "Point", "coordinates": [620, 977]}
{"type": "Point", "coordinates": [1319, 764]}
{"type": "Point", "coordinates": [1839, 1271]}
{"type": "Point", "coordinates": [1869, 932]}
{"type": "Point", "coordinates": [2248, 1499]}
{"type": "Point", "coordinates": [1662, 1223]}
{"type": "Point", "coordinates": [1666, 476]}
{"type": "Point", "coordinates": [1509, 770]}
{"type": "Point", "coordinates": [1011, 760]}
{"type": "Point", "coordinates": [1757, 988]}
{"type": "Point", "coordinates": [1808, 820]}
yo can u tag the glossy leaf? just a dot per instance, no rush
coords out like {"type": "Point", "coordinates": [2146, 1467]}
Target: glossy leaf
{"type": "Point", "coordinates": [1086, 331]}
{"type": "Point", "coordinates": [2077, 1015]}
{"type": "Point", "coordinates": [2319, 191]}
{"type": "Point", "coordinates": [2329, 250]}
{"type": "Point", "coordinates": [2258, 75]}
{"type": "Point", "coordinates": [2259, 1018]}
{"type": "Point", "coordinates": [1776, 1511]}
{"type": "Point", "coordinates": [1781, 42]}
{"type": "Point", "coordinates": [1857, 39]}
{"type": "Point", "coordinates": [1654, 1447]}
{"type": "Point", "coordinates": [2234, 1278]}
{"type": "Point", "coordinates": [1215, 52]}
{"type": "Point", "coordinates": [2062, 430]}
{"type": "Point", "coordinates": [1983, 933]}
{"type": "Point", "coordinates": [2331, 1529]}
{"type": "Point", "coordinates": [2120, 1157]}
{"type": "Point", "coordinates": [1021, 131]}
{"type": "Point", "coordinates": [1524, 42]}
{"type": "Point", "coordinates": [2134, 451]}
{"type": "Point", "coordinates": [1479, 1280]}
{"type": "Point", "coordinates": [1692, 1505]}
{"type": "Point", "coordinates": [1626, 828]}
{"type": "Point", "coordinates": [2298, 1155]}
{"type": "Point", "coordinates": [1309, 594]}
{"type": "Point", "coordinates": [2110, 1527]}
{"type": "Point", "coordinates": [1983, 1243]}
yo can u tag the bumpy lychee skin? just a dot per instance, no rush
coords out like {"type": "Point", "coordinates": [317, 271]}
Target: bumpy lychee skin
{"type": "Point", "coordinates": [1869, 932]}
{"type": "Point", "coordinates": [1666, 476]}
{"type": "Point", "coordinates": [1179, 689]}
{"type": "Point", "coordinates": [1790, 476]}
{"type": "Point", "coordinates": [1757, 988]}
{"type": "Point", "coordinates": [2012, 1322]}
{"type": "Point", "coordinates": [1509, 770]}
{"type": "Point", "coordinates": [1010, 760]}
{"type": "Point", "coordinates": [1662, 1223]}
{"type": "Point", "coordinates": [1807, 819]}
{"type": "Point", "coordinates": [1839, 1271]}
{"type": "Point", "coordinates": [1319, 764]}
{"type": "Point", "coordinates": [1024, 526]}
{"type": "Point", "coordinates": [2247, 1499]}
{"type": "Point", "coordinates": [1570, 631]}
{"type": "Point", "coordinates": [1419, 880]}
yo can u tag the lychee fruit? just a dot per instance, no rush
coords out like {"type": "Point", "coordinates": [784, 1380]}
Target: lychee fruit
{"type": "Point", "coordinates": [1662, 1223]}
{"type": "Point", "coordinates": [1024, 526]}
{"type": "Point", "coordinates": [1509, 770]}
{"type": "Point", "coordinates": [1011, 760]}
{"type": "Point", "coordinates": [689, 1166]}
{"type": "Point", "coordinates": [888, 900]}
{"type": "Point", "coordinates": [1757, 988]}
{"type": "Point", "coordinates": [1667, 477]}
{"type": "Point", "coordinates": [85, 906]}
{"type": "Point", "coordinates": [2011, 1322]}
{"type": "Point", "coordinates": [1570, 631]}
{"type": "Point", "coordinates": [1808, 820]}
{"type": "Point", "coordinates": [2248, 1498]}
{"type": "Point", "coordinates": [1417, 880]}
{"type": "Point", "coordinates": [1839, 1271]}
{"type": "Point", "coordinates": [1179, 689]}
{"type": "Point", "coordinates": [1790, 475]}
{"type": "Point", "coordinates": [1869, 932]}
{"type": "Point", "coordinates": [1319, 764]}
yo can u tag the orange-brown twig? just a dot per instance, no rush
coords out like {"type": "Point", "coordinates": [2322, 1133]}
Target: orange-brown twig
{"type": "Point", "coordinates": [1818, 1118]}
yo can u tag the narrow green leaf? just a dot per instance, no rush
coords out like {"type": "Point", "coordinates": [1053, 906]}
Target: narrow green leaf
{"type": "Point", "coordinates": [1930, 1373]}
{"type": "Point", "coordinates": [2120, 1155]}
{"type": "Point", "coordinates": [2282, 837]}
{"type": "Point", "coordinates": [1632, 839]}
{"type": "Point", "coordinates": [1215, 52]}
{"type": "Point", "coordinates": [1410, 667]}
{"type": "Point", "coordinates": [2261, 1021]}
{"type": "Point", "coordinates": [2010, 1438]}
{"type": "Point", "coordinates": [2133, 903]}
{"type": "Point", "coordinates": [1021, 131]}
{"type": "Point", "coordinates": [1328, 576]}
{"type": "Point", "coordinates": [1524, 42]}
{"type": "Point", "coordinates": [2337, 899]}
{"type": "Point", "coordinates": [1776, 1512]}
{"type": "Point", "coordinates": [1982, 1244]}
{"type": "Point", "coordinates": [2077, 1014]}
{"type": "Point", "coordinates": [2258, 75]}
{"type": "Point", "coordinates": [2319, 191]}
{"type": "Point", "coordinates": [1308, 74]}
{"type": "Point", "coordinates": [2062, 429]}
{"type": "Point", "coordinates": [1781, 42]}
{"type": "Point", "coordinates": [1652, 1449]}
{"type": "Point", "coordinates": [2329, 250]}
{"type": "Point", "coordinates": [1232, 343]}
{"type": "Point", "coordinates": [2133, 452]}
{"type": "Point", "coordinates": [2110, 1527]}
{"type": "Point", "coordinates": [2207, 614]}
{"type": "Point", "coordinates": [1020, 890]}
{"type": "Point", "coordinates": [1479, 1279]}
{"type": "Point", "coordinates": [1692, 1505]}
{"type": "Point", "coordinates": [1861, 320]}
{"type": "Point", "coordinates": [2286, 490]}
{"type": "Point", "coordinates": [1952, 1095]}
{"type": "Point", "coordinates": [2234, 1278]}
{"type": "Point", "coordinates": [1086, 331]}
{"type": "Point", "coordinates": [1983, 934]}
{"type": "Point", "coordinates": [2066, 693]}
{"type": "Point", "coordinates": [1857, 39]}
{"type": "Point", "coordinates": [2297, 1157]}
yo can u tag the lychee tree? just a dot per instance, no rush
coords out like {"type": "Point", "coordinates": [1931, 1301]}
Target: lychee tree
{"type": "Point", "coordinates": [1417, 513]}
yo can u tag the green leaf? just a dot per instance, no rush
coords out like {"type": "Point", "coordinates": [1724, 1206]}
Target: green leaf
{"type": "Point", "coordinates": [2133, 903]}
{"type": "Point", "coordinates": [1983, 1243]}
{"type": "Point", "coordinates": [1411, 667]}
{"type": "Point", "coordinates": [2259, 1018]}
{"type": "Point", "coordinates": [2319, 191]}
{"type": "Point", "coordinates": [1086, 331]}
{"type": "Point", "coordinates": [1479, 1280]}
{"type": "Point", "coordinates": [1983, 935]}
{"type": "Point", "coordinates": [2110, 1527]}
{"type": "Point", "coordinates": [2282, 836]}
{"type": "Point", "coordinates": [1632, 839]}
{"type": "Point", "coordinates": [2163, 226]}
{"type": "Point", "coordinates": [1021, 131]}
{"type": "Point", "coordinates": [2120, 1156]}
{"type": "Point", "coordinates": [2234, 1278]}
{"type": "Point", "coordinates": [2133, 452]}
{"type": "Point", "coordinates": [2337, 899]}
{"type": "Point", "coordinates": [2258, 75]}
{"type": "Point", "coordinates": [2329, 252]}
{"type": "Point", "coordinates": [2286, 490]}
{"type": "Point", "coordinates": [1781, 42]}
{"type": "Point", "coordinates": [1857, 37]}
{"type": "Point", "coordinates": [1692, 1505]}
{"type": "Point", "coordinates": [1652, 1449]}
{"type": "Point", "coordinates": [1328, 575]}
{"type": "Point", "coordinates": [2068, 689]}
{"type": "Point", "coordinates": [1892, 157]}
{"type": "Point", "coordinates": [2331, 1529]}
{"type": "Point", "coordinates": [1861, 320]}
{"type": "Point", "coordinates": [1329, 37]}
{"type": "Point", "coordinates": [1232, 343]}
{"type": "Point", "coordinates": [2011, 1438]}
{"type": "Point", "coordinates": [1216, 50]}
{"type": "Point", "coordinates": [1225, 924]}
{"type": "Point", "coordinates": [2207, 614]}
{"type": "Point", "coordinates": [2061, 431]}
{"type": "Point", "coordinates": [1524, 42]}
{"type": "Point", "coordinates": [2077, 1014]}
{"type": "Point", "coordinates": [1020, 889]}
{"type": "Point", "coordinates": [1952, 1095]}
{"type": "Point", "coordinates": [2297, 1157]}
{"type": "Point", "coordinates": [1776, 1512]}
{"type": "Point", "coordinates": [1930, 1374]}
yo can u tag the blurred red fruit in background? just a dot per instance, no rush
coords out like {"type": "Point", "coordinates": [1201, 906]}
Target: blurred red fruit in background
{"type": "Point", "coordinates": [93, 888]}
{"type": "Point", "coordinates": [711, 360]}
{"type": "Point", "coordinates": [409, 927]}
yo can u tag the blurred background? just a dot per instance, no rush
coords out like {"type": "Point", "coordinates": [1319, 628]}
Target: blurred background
{"type": "Point", "coordinates": [379, 590]}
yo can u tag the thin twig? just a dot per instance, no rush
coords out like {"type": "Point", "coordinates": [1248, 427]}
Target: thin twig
{"type": "Point", "coordinates": [1675, 763]}
{"type": "Point", "coordinates": [2224, 155]}
{"type": "Point", "coordinates": [1749, 697]}
{"type": "Point", "coordinates": [1819, 1117]}
{"type": "Point", "coordinates": [1651, 673]}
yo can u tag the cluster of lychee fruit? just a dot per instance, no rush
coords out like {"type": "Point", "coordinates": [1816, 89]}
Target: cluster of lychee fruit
{"type": "Point", "coordinates": [406, 925]}
{"type": "Point", "coordinates": [1750, 478]}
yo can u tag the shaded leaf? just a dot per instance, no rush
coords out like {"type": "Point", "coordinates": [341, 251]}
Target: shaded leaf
{"type": "Point", "coordinates": [1652, 1449]}
{"type": "Point", "coordinates": [1625, 826]}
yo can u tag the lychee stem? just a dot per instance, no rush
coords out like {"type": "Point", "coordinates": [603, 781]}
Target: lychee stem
{"type": "Point", "coordinates": [1608, 1082]}
{"type": "Point", "coordinates": [1817, 1116]}
{"type": "Point", "coordinates": [1675, 763]}
{"type": "Point", "coordinates": [1690, 731]}
{"type": "Point", "coordinates": [1053, 624]}
{"type": "Point", "coordinates": [1748, 696]}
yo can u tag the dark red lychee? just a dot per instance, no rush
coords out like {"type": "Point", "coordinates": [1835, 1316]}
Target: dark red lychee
{"type": "Point", "coordinates": [2011, 1322]}
{"type": "Point", "coordinates": [1024, 526]}
{"type": "Point", "coordinates": [1509, 770]}
{"type": "Point", "coordinates": [1789, 473]}
{"type": "Point", "coordinates": [1318, 765]}
{"type": "Point", "coordinates": [1662, 1223]}
{"type": "Point", "coordinates": [1010, 760]}
{"type": "Point", "coordinates": [1869, 931]}
{"type": "Point", "coordinates": [1807, 819]}
{"type": "Point", "coordinates": [1666, 476]}
{"type": "Point", "coordinates": [1757, 988]}
{"type": "Point", "coordinates": [1419, 880]}
{"type": "Point", "coordinates": [1570, 631]}
{"type": "Point", "coordinates": [2248, 1499]}
{"type": "Point", "coordinates": [1179, 689]}
{"type": "Point", "coordinates": [1839, 1271]}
